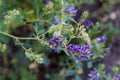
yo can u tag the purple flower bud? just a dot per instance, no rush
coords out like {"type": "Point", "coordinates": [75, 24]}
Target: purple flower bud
{"type": "Point", "coordinates": [45, 1]}
{"type": "Point", "coordinates": [101, 38]}
{"type": "Point", "coordinates": [87, 23]}
{"type": "Point", "coordinates": [55, 42]}
{"type": "Point", "coordinates": [69, 48]}
{"type": "Point", "coordinates": [54, 21]}
{"type": "Point", "coordinates": [75, 56]}
{"type": "Point", "coordinates": [89, 54]}
{"type": "Point", "coordinates": [70, 10]}
{"type": "Point", "coordinates": [93, 75]}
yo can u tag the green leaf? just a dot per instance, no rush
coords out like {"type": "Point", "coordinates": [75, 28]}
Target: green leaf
{"type": "Point", "coordinates": [89, 64]}
{"type": "Point", "coordinates": [70, 72]}
{"type": "Point", "coordinates": [36, 27]}
{"type": "Point", "coordinates": [41, 31]}
{"type": "Point", "coordinates": [4, 39]}
{"type": "Point", "coordinates": [77, 77]}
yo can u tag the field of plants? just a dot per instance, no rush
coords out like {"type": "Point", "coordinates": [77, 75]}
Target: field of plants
{"type": "Point", "coordinates": [59, 39]}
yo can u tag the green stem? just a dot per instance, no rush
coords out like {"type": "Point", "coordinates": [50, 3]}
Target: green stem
{"type": "Point", "coordinates": [70, 39]}
{"type": "Point", "coordinates": [44, 33]}
{"type": "Point", "coordinates": [21, 44]}
{"type": "Point", "coordinates": [62, 3]}
{"type": "Point", "coordinates": [14, 37]}
{"type": "Point", "coordinates": [64, 49]}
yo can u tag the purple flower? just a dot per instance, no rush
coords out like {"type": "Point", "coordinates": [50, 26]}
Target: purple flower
{"type": "Point", "coordinates": [101, 38]}
{"type": "Point", "coordinates": [73, 48]}
{"type": "Point", "coordinates": [54, 21]}
{"type": "Point", "coordinates": [87, 54]}
{"type": "Point", "coordinates": [117, 77]}
{"type": "Point", "coordinates": [55, 42]}
{"type": "Point", "coordinates": [93, 75]}
{"type": "Point", "coordinates": [70, 10]}
{"type": "Point", "coordinates": [79, 52]}
{"type": "Point", "coordinates": [87, 23]}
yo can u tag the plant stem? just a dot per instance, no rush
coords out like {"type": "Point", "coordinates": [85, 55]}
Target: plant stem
{"type": "Point", "coordinates": [14, 37]}
{"type": "Point", "coordinates": [62, 3]}
{"type": "Point", "coordinates": [21, 44]}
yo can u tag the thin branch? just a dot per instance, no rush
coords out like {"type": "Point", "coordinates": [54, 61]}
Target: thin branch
{"type": "Point", "coordinates": [15, 37]}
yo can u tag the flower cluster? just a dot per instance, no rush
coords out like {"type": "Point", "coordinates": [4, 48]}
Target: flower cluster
{"type": "Point", "coordinates": [93, 75]}
{"type": "Point", "coordinates": [33, 57]}
{"type": "Point", "coordinates": [11, 15]}
{"type": "Point", "coordinates": [79, 52]}
{"type": "Point", "coordinates": [55, 42]}
{"type": "Point", "coordinates": [48, 6]}
{"type": "Point", "coordinates": [70, 10]}
{"type": "Point", "coordinates": [83, 34]}
{"type": "Point", "coordinates": [101, 38]}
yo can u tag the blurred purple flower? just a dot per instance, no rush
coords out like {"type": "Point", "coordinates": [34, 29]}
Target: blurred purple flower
{"type": "Point", "coordinates": [100, 28]}
{"type": "Point", "coordinates": [79, 52]}
{"type": "Point", "coordinates": [78, 0]}
{"type": "Point", "coordinates": [117, 77]}
{"type": "Point", "coordinates": [87, 23]}
{"type": "Point", "coordinates": [93, 75]}
{"type": "Point", "coordinates": [55, 42]}
{"type": "Point", "coordinates": [101, 38]}
{"type": "Point", "coordinates": [70, 10]}
{"type": "Point", "coordinates": [45, 1]}
{"type": "Point", "coordinates": [54, 21]}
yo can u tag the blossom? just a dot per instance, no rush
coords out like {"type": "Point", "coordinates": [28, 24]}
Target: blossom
{"type": "Point", "coordinates": [54, 21]}
{"type": "Point", "coordinates": [117, 77]}
{"type": "Point", "coordinates": [55, 42]}
{"type": "Point", "coordinates": [93, 75]}
{"type": "Point", "coordinates": [101, 38]}
{"type": "Point", "coordinates": [70, 10]}
{"type": "Point", "coordinates": [49, 6]}
{"type": "Point", "coordinates": [11, 16]}
{"type": "Point", "coordinates": [87, 23]}
{"type": "Point", "coordinates": [79, 52]}
{"type": "Point", "coordinates": [34, 57]}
